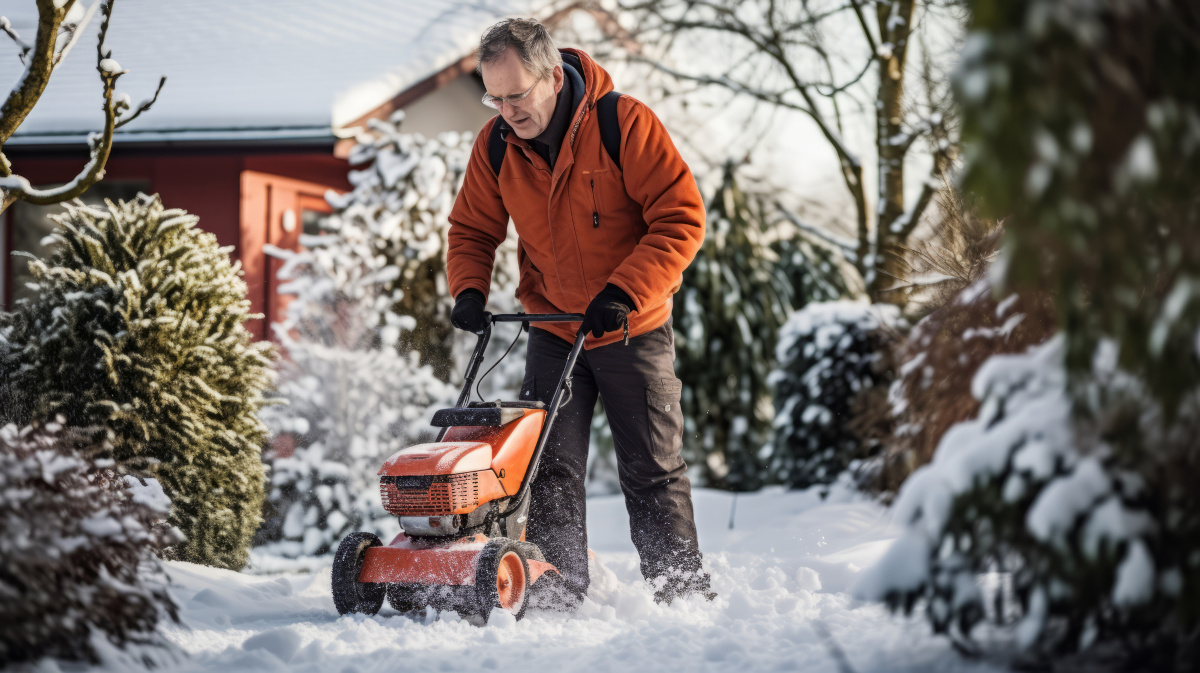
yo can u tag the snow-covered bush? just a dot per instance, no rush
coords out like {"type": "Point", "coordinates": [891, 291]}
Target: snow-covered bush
{"type": "Point", "coordinates": [404, 187]}
{"type": "Point", "coordinates": [348, 410]}
{"type": "Point", "coordinates": [1089, 536]}
{"type": "Point", "coordinates": [77, 563]}
{"type": "Point", "coordinates": [829, 354]}
{"type": "Point", "coordinates": [367, 338]}
{"type": "Point", "coordinates": [939, 358]}
{"type": "Point", "coordinates": [138, 327]}
{"type": "Point", "coordinates": [1074, 486]}
{"type": "Point", "coordinates": [732, 300]}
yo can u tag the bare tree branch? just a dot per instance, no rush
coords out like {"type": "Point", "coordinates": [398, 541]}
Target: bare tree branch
{"type": "Point", "coordinates": [27, 92]}
{"type": "Point", "coordinates": [798, 68]}
{"type": "Point", "coordinates": [847, 248]}
{"type": "Point", "coordinates": [144, 105]}
{"type": "Point", "coordinates": [33, 81]}
{"type": "Point", "coordinates": [862, 22]}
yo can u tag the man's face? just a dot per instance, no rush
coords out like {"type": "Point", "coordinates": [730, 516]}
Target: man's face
{"type": "Point", "coordinates": [507, 76]}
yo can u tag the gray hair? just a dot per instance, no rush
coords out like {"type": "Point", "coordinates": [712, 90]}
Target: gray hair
{"type": "Point", "coordinates": [528, 37]}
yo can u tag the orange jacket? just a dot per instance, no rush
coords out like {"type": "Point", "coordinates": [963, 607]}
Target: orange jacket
{"type": "Point", "coordinates": [651, 220]}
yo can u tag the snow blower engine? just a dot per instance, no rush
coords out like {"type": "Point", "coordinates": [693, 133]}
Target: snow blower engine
{"type": "Point", "coordinates": [462, 502]}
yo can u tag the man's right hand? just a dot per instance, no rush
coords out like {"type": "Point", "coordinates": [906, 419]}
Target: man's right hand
{"type": "Point", "coordinates": [468, 313]}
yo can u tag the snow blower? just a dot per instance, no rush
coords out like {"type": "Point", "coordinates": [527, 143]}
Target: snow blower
{"type": "Point", "coordinates": [462, 502]}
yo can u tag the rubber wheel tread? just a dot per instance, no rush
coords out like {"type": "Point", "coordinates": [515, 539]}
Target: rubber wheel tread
{"type": "Point", "coordinates": [350, 595]}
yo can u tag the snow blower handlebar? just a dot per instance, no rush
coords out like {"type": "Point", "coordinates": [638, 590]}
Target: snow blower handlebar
{"type": "Point", "coordinates": [564, 383]}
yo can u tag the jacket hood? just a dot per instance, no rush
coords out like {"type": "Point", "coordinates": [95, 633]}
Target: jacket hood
{"type": "Point", "coordinates": [596, 80]}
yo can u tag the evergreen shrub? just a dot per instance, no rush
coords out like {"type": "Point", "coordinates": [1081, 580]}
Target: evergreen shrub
{"type": "Point", "coordinates": [732, 300]}
{"type": "Point", "coordinates": [829, 354]}
{"type": "Point", "coordinates": [138, 327]}
{"type": "Point", "coordinates": [1082, 543]}
{"type": "Point", "coordinates": [1073, 489]}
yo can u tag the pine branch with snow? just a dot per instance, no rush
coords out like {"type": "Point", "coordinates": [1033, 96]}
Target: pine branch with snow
{"type": "Point", "coordinates": [138, 327]}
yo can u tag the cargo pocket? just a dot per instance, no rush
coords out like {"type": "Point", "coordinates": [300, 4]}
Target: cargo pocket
{"type": "Point", "coordinates": [665, 418]}
{"type": "Point", "coordinates": [528, 389]}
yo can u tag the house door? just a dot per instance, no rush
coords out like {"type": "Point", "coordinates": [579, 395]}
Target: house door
{"type": "Point", "coordinates": [276, 211]}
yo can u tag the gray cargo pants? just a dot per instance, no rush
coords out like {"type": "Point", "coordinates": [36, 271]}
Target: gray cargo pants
{"type": "Point", "coordinates": [641, 398]}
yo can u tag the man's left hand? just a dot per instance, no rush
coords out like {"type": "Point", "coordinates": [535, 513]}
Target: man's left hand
{"type": "Point", "coordinates": [607, 312]}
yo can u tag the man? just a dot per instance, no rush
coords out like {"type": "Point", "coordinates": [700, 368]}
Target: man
{"type": "Point", "coordinates": [606, 239]}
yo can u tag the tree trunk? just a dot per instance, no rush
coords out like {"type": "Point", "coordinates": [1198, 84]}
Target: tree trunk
{"type": "Point", "coordinates": [891, 144]}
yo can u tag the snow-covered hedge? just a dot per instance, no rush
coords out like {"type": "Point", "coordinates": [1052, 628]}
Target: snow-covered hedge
{"type": "Point", "coordinates": [1085, 538]}
{"type": "Point", "coordinates": [138, 327]}
{"type": "Point", "coordinates": [348, 410]}
{"type": "Point", "coordinates": [829, 354]}
{"type": "Point", "coordinates": [367, 339]}
{"type": "Point", "coordinates": [78, 573]}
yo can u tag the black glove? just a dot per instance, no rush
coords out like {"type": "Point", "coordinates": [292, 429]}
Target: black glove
{"type": "Point", "coordinates": [468, 313]}
{"type": "Point", "coordinates": [607, 312]}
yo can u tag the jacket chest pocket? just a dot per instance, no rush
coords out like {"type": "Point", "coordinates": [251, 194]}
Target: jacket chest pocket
{"type": "Point", "coordinates": [597, 185]}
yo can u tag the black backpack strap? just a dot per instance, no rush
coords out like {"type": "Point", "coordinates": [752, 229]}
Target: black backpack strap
{"type": "Point", "coordinates": [606, 115]}
{"type": "Point", "coordinates": [610, 126]}
{"type": "Point", "coordinates": [497, 145]}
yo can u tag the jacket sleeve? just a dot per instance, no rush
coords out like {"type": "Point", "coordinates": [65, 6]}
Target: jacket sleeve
{"type": "Point", "coordinates": [657, 177]}
{"type": "Point", "coordinates": [478, 223]}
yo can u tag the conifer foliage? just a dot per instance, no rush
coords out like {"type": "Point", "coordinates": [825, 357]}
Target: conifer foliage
{"type": "Point", "coordinates": [138, 328]}
{"type": "Point", "coordinates": [74, 536]}
{"type": "Point", "coordinates": [733, 299]}
{"type": "Point", "coordinates": [829, 354]}
{"type": "Point", "coordinates": [1083, 126]}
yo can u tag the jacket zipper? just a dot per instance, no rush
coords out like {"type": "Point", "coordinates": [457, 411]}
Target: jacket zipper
{"type": "Point", "coordinates": [595, 205]}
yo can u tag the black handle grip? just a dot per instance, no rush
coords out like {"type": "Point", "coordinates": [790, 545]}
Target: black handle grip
{"type": "Point", "coordinates": [537, 317]}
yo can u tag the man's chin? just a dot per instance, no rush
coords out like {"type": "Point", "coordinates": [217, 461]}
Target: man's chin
{"type": "Point", "coordinates": [526, 131]}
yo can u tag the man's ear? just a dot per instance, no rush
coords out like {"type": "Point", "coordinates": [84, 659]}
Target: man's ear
{"type": "Point", "coordinates": [558, 78]}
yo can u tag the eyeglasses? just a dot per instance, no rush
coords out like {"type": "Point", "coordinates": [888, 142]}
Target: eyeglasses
{"type": "Point", "coordinates": [513, 100]}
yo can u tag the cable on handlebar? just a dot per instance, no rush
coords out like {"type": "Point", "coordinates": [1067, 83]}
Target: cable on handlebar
{"type": "Point", "coordinates": [489, 370]}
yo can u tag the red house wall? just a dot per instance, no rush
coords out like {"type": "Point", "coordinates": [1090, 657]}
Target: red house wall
{"type": "Point", "coordinates": [210, 185]}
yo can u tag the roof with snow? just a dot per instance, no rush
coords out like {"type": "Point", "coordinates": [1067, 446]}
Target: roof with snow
{"type": "Point", "coordinates": [249, 69]}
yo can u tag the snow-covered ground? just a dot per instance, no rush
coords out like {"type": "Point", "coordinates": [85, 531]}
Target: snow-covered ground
{"type": "Point", "coordinates": [782, 574]}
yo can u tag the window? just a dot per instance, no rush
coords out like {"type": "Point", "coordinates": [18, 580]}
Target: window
{"type": "Point", "coordinates": [28, 228]}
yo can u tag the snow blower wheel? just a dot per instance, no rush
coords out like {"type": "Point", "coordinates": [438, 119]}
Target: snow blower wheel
{"type": "Point", "coordinates": [350, 595]}
{"type": "Point", "coordinates": [502, 579]}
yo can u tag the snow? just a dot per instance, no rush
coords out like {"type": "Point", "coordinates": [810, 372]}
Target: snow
{"type": "Point", "coordinates": [1064, 499]}
{"type": "Point", "coordinates": [149, 493]}
{"type": "Point", "coordinates": [781, 574]}
{"type": "Point", "coordinates": [1135, 577]}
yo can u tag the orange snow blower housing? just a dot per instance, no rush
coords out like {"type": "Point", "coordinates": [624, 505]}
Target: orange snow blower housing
{"type": "Point", "coordinates": [462, 503]}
